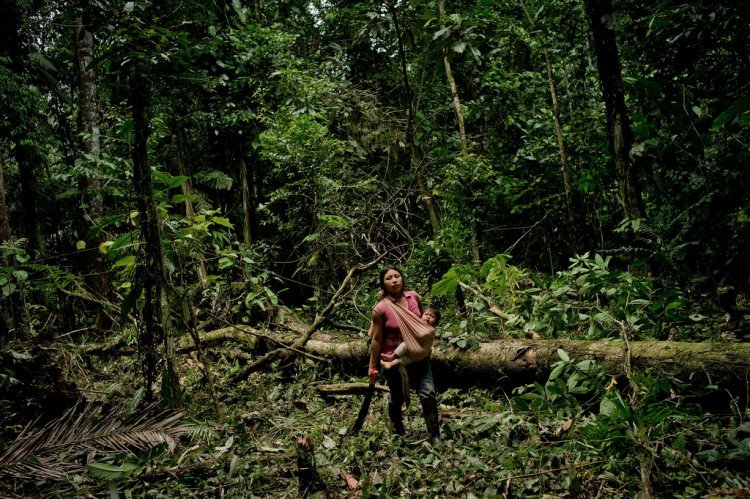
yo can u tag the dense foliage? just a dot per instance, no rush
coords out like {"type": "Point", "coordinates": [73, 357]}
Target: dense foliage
{"type": "Point", "coordinates": [289, 141]}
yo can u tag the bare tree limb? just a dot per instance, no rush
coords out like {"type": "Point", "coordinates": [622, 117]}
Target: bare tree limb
{"type": "Point", "coordinates": [492, 306]}
{"type": "Point", "coordinates": [287, 352]}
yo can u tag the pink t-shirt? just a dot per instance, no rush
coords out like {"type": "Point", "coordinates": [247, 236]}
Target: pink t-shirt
{"type": "Point", "coordinates": [391, 333]}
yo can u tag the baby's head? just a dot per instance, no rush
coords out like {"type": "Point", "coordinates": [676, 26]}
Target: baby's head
{"type": "Point", "coordinates": [431, 316]}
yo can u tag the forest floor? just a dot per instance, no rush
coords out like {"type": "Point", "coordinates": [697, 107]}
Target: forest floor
{"type": "Point", "coordinates": [493, 447]}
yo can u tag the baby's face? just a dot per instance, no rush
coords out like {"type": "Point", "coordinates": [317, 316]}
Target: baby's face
{"type": "Point", "coordinates": [429, 317]}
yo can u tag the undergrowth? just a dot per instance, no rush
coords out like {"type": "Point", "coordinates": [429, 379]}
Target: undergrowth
{"type": "Point", "coordinates": [581, 433]}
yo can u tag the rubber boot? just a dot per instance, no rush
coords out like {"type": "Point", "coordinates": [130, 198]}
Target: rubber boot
{"type": "Point", "coordinates": [430, 412]}
{"type": "Point", "coordinates": [394, 412]}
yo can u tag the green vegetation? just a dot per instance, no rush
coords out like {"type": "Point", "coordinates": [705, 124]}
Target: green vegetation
{"type": "Point", "coordinates": [546, 169]}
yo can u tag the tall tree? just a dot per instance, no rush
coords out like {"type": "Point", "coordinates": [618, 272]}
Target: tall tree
{"type": "Point", "coordinates": [156, 313]}
{"type": "Point", "coordinates": [22, 106]}
{"type": "Point", "coordinates": [88, 130]}
{"type": "Point", "coordinates": [411, 126]}
{"type": "Point", "coordinates": [572, 223]}
{"type": "Point", "coordinates": [4, 219]}
{"type": "Point", "coordinates": [600, 14]}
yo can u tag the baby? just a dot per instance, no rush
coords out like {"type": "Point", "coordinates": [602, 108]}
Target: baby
{"type": "Point", "coordinates": [399, 356]}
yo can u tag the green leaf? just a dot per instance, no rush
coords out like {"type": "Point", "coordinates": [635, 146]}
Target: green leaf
{"type": "Point", "coordinates": [223, 222]}
{"type": "Point", "coordinates": [739, 107]}
{"type": "Point", "coordinates": [447, 285]}
{"type": "Point", "coordinates": [563, 355]}
{"type": "Point", "coordinates": [459, 47]}
{"type": "Point", "coordinates": [20, 275]}
{"type": "Point", "coordinates": [120, 242]}
{"type": "Point", "coordinates": [181, 198]}
{"type": "Point", "coordinates": [130, 300]}
{"type": "Point", "coordinates": [328, 442]}
{"type": "Point", "coordinates": [607, 406]}
{"type": "Point", "coordinates": [226, 262]}
{"type": "Point", "coordinates": [126, 261]}
{"type": "Point", "coordinates": [110, 472]}
{"type": "Point", "coordinates": [557, 370]}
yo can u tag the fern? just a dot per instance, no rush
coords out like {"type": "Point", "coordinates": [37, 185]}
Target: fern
{"type": "Point", "coordinates": [214, 179]}
{"type": "Point", "coordinates": [53, 450]}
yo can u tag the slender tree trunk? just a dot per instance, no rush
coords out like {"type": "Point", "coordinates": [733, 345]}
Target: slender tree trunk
{"type": "Point", "coordinates": [156, 314]}
{"type": "Point", "coordinates": [411, 128]}
{"type": "Point", "coordinates": [4, 219]}
{"type": "Point", "coordinates": [474, 240]}
{"type": "Point", "coordinates": [7, 316]}
{"type": "Point", "coordinates": [600, 13]}
{"type": "Point", "coordinates": [454, 89]}
{"type": "Point", "coordinates": [187, 190]}
{"type": "Point", "coordinates": [88, 129]}
{"type": "Point", "coordinates": [248, 202]}
{"type": "Point", "coordinates": [29, 164]}
{"type": "Point", "coordinates": [572, 222]}
{"type": "Point", "coordinates": [12, 15]}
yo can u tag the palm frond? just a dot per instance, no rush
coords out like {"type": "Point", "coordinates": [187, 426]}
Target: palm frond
{"type": "Point", "coordinates": [53, 450]}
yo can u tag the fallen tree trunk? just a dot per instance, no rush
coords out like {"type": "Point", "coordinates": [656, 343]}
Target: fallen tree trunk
{"type": "Point", "coordinates": [518, 359]}
{"type": "Point", "coordinates": [521, 359]}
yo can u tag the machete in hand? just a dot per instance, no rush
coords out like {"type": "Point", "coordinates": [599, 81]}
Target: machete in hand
{"type": "Point", "coordinates": [365, 405]}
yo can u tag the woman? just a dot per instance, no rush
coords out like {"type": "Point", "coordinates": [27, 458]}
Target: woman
{"type": "Point", "coordinates": [386, 336]}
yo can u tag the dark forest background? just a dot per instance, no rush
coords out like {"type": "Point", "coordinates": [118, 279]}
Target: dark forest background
{"type": "Point", "coordinates": [538, 169]}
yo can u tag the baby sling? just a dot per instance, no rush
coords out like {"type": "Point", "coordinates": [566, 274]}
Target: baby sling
{"type": "Point", "coordinates": [417, 335]}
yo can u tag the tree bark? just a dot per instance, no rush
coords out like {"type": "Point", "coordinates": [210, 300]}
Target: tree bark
{"type": "Point", "coordinates": [723, 362]}
{"type": "Point", "coordinates": [600, 14]}
{"type": "Point", "coordinates": [572, 223]}
{"type": "Point", "coordinates": [156, 315]}
{"type": "Point", "coordinates": [248, 201]}
{"type": "Point", "coordinates": [474, 240]}
{"type": "Point", "coordinates": [4, 219]}
{"type": "Point", "coordinates": [522, 359]}
{"type": "Point", "coordinates": [88, 129]}
{"type": "Point", "coordinates": [187, 190]}
{"type": "Point", "coordinates": [28, 145]}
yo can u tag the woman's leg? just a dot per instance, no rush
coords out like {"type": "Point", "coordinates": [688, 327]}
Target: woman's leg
{"type": "Point", "coordinates": [396, 399]}
{"type": "Point", "coordinates": [420, 376]}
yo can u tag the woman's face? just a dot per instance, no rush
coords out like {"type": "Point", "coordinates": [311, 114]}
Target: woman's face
{"type": "Point", "coordinates": [393, 282]}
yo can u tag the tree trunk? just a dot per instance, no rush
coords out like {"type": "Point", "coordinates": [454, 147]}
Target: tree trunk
{"type": "Point", "coordinates": [12, 16]}
{"type": "Point", "coordinates": [517, 359]}
{"type": "Point", "coordinates": [4, 219]}
{"type": "Point", "coordinates": [7, 315]}
{"type": "Point", "coordinates": [156, 315]}
{"type": "Point", "coordinates": [187, 190]}
{"type": "Point", "coordinates": [572, 223]}
{"type": "Point", "coordinates": [722, 362]}
{"type": "Point", "coordinates": [411, 128]}
{"type": "Point", "coordinates": [248, 201]}
{"type": "Point", "coordinates": [88, 128]}
{"type": "Point", "coordinates": [474, 240]}
{"type": "Point", "coordinates": [600, 13]}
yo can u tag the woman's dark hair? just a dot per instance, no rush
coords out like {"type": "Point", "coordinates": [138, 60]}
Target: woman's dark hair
{"type": "Point", "coordinates": [437, 314]}
{"type": "Point", "coordinates": [384, 271]}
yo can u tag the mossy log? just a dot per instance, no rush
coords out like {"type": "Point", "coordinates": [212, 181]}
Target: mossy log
{"type": "Point", "coordinates": [518, 359]}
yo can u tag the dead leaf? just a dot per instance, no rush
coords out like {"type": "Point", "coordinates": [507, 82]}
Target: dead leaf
{"type": "Point", "coordinates": [380, 453]}
{"type": "Point", "coordinates": [566, 426]}
{"type": "Point", "coordinates": [351, 482]}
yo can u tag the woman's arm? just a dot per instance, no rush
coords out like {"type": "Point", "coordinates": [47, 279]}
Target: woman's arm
{"type": "Point", "coordinates": [376, 343]}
